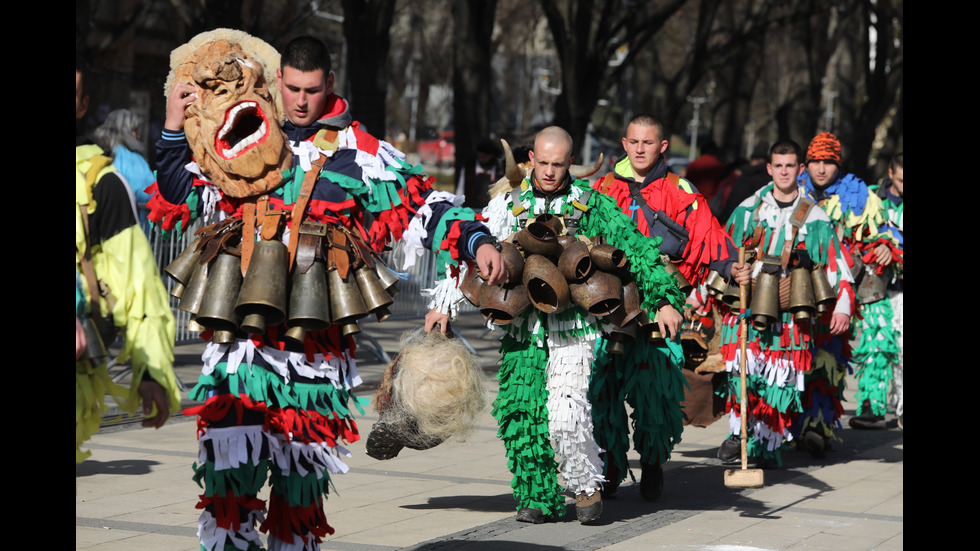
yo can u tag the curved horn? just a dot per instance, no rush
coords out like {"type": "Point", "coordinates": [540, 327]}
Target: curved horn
{"type": "Point", "coordinates": [512, 172]}
{"type": "Point", "coordinates": [582, 171]}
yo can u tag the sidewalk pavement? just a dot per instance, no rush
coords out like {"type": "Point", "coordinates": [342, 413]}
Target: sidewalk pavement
{"type": "Point", "coordinates": [136, 492]}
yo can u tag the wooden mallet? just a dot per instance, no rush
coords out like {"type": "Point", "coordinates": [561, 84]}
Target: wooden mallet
{"type": "Point", "coordinates": [744, 477]}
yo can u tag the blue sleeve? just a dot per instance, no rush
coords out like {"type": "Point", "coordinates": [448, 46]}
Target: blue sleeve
{"type": "Point", "coordinates": [173, 154]}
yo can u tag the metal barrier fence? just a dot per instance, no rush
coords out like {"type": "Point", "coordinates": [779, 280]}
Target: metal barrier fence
{"type": "Point", "coordinates": [408, 304]}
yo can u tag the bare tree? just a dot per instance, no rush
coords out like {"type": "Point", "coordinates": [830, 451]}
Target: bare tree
{"type": "Point", "coordinates": [366, 28]}
{"type": "Point", "coordinates": [587, 35]}
{"type": "Point", "coordinates": [472, 75]}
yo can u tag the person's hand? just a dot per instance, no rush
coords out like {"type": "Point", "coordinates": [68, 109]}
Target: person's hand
{"type": "Point", "coordinates": [741, 273]}
{"type": "Point", "coordinates": [491, 264]}
{"type": "Point", "coordinates": [151, 392]}
{"type": "Point", "coordinates": [669, 320]}
{"type": "Point", "coordinates": [435, 317]}
{"type": "Point", "coordinates": [839, 324]}
{"type": "Point", "coordinates": [80, 341]}
{"type": "Point", "coordinates": [694, 301]}
{"type": "Point", "coordinates": [883, 255]}
{"type": "Point", "coordinates": [181, 96]}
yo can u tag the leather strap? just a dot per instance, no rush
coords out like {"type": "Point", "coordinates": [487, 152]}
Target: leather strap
{"type": "Point", "coordinates": [299, 208]}
{"type": "Point", "coordinates": [797, 219]}
{"type": "Point", "coordinates": [248, 233]}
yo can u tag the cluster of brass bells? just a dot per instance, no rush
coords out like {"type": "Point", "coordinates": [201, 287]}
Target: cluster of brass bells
{"type": "Point", "coordinates": [551, 272]}
{"type": "Point", "coordinates": [211, 287]}
{"type": "Point", "coordinates": [805, 292]}
{"type": "Point", "coordinates": [871, 287]}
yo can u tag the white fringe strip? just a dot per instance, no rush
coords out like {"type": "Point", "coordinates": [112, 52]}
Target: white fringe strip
{"type": "Point", "coordinates": [416, 232]}
{"type": "Point", "coordinates": [287, 455]}
{"type": "Point", "coordinates": [570, 415]}
{"type": "Point", "coordinates": [231, 446]}
{"type": "Point", "coordinates": [213, 537]}
{"type": "Point", "coordinates": [276, 544]}
{"type": "Point", "coordinates": [445, 295]}
{"type": "Point", "coordinates": [763, 432]}
{"type": "Point", "coordinates": [779, 373]}
{"type": "Point", "coordinates": [243, 352]}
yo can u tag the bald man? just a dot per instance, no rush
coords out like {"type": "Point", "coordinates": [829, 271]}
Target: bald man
{"type": "Point", "coordinates": [547, 357]}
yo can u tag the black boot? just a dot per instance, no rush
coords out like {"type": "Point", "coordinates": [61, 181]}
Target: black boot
{"type": "Point", "coordinates": [652, 482]}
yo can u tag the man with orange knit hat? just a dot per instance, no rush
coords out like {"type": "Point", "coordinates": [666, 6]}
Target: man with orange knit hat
{"type": "Point", "coordinates": [874, 244]}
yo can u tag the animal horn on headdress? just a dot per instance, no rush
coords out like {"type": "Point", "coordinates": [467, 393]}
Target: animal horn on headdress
{"type": "Point", "coordinates": [512, 172]}
{"type": "Point", "coordinates": [583, 171]}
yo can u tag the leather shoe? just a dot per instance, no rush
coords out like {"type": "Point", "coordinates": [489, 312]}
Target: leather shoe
{"type": "Point", "coordinates": [531, 516]}
{"type": "Point", "coordinates": [652, 482]}
{"type": "Point", "coordinates": [588, 507]}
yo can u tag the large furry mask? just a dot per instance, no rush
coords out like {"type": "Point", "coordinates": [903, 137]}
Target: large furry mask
{"type": "Point", "coordinates": [233, 125]}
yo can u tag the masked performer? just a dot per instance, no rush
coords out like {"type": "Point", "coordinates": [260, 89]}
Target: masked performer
{"type": "Point", "coordinates": [303, 207]}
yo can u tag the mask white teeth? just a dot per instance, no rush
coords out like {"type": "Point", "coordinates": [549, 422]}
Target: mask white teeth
{"type": "Point", "coordinates": [230, 124]}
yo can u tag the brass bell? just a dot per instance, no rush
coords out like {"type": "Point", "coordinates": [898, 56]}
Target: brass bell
{"type": "Point", "coordinates": [654, 336]}
{"type": "Point", "coordinates": [731, 296]}
{"type": "Point", "coordinates": [538, 239]}
{"type": "Point", "coordinates": [765, 300]}
{"type": "Point", "coordinates": [223, 337]}
{"type": "Point", "coordinates": [309, 302]}
{"type": "Point", "coordinates": [182, 267]}
{"type": "Point", "coordinates": [682, 283]}
{"type": "Point", "coordinates": [387, 277]}
{"type": "Point", "coordinates": [376, 299]}
{"type": "Point", "coordinates": [620, 337]}
{"type": "Point", "coordinates": [823, 292]}
{"type": "Point", "coordinates": [514, 261]}
{"type": "Point", "coordinates": [608, 258]}
{"type": "Point", "coordinates": [501, 305]}
{"type": "Point", "coordinates": [872, 288]}
{"type": "Point", "coordinates": [575, 262]}
{"type": "Point", "coordinates": [546, 287]}
{"type": "Point", "coordinates": [801, 299]}
{"type": "Point", "coordinates": [471, 286]}
{"type": "Point", "coordinates": [630, 309]}
{"type": "Point", "coordinates": [262, 300]}
{"type": "Point", "coordinates": [350, 328]}
{"type": "Point", "coordinates": [190, 299]}
{"type": "Point", "coordinates": [217, 309]}
{"type": "Point", "coordinates": [346, 302]}
{"type": "Point", "coordinates": [716, 284]}
{"type": "Point", "coordinates": [599, 294]}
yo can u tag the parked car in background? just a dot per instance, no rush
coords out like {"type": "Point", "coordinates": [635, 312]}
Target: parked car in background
{"type": "Point", "coordinates": [438, 152]}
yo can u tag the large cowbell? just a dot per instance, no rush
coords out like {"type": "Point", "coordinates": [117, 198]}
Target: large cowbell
{"type": "Point", "coordinates": [262, 300]}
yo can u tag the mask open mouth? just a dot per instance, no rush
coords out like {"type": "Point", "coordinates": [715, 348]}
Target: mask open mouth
{"type": "Point", "coordinates": [245, 126]}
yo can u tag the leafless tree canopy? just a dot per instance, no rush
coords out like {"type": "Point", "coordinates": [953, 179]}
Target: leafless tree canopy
{"type": "Point", "coordinates": [763, 69]}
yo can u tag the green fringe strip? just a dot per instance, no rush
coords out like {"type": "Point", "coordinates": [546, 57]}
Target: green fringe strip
{"type": "Point", "coordinates": [875, 354]}
{"type": "Point", "coordinates": [262, 385]}
{"type": "Point", "coordinates": [245, 480]}
{"type": "Point", "coordinates": [300, 491]}
{"type": "Point", "coordinates": [522, 415]}
{"type": "Point", "coordinates": [649, 379]}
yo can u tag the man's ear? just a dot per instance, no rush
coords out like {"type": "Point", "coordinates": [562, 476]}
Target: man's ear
{"type": "Point", "coordinates": [82, 107]}
{"type": "Point", "coordinates": [279, 78]}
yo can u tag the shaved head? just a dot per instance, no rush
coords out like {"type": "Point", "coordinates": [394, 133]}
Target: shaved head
{"type": "Point", "coordinates": [551, 157]}
{"type": "Point", "coordinates": [555, 135]}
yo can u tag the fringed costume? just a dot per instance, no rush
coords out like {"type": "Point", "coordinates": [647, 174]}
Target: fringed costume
{"type": "Point", "coordinates": [649, 377]}
{"type": "Point", "coordinates": [275, 409]}
{"type": "Point", "coordinates": [860, 220]}
{"type": "Point", "coordinates": [783, 357]}
{"type": "Point", "coordinates": [548, 358]}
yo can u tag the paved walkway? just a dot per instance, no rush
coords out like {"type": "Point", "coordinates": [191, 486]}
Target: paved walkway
{"type": "Point", "coordinates": [136, 492]}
